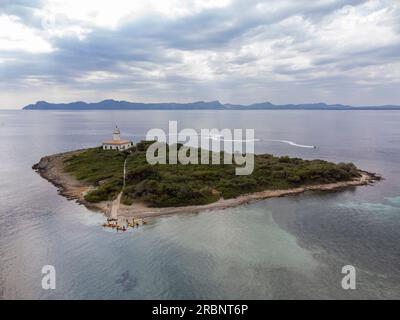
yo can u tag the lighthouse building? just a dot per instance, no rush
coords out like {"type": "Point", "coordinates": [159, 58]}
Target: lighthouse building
{"type": "Point", "coordinates": [117, 143]}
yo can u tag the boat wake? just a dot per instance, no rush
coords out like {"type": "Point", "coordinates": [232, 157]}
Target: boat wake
{"type": "Point", "coordinates": [221, 138]}
{"type": "Point", "coordinates": [292, 143]}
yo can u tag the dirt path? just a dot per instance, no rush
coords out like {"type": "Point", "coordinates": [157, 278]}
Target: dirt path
{"type": "Point", "coordinates": [115, 206]}
{"type": "Point", "coordinates": [124, 176]}
{"type": "Point", "coordinates": [116, 203]}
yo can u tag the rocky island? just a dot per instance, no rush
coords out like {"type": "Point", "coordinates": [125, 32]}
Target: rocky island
{"type": "Point", "coordinates": [122, 185]}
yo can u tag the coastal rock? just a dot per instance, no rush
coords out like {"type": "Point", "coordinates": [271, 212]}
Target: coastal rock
{"type": "Point", "coordinates": [42, 164]}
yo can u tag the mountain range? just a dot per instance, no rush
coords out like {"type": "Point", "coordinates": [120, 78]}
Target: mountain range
{"type": "Point", "coordinates": [199, 105]}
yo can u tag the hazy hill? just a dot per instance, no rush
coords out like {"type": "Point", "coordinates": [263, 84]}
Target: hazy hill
{"type": "Point", "coordinates": [199, 105]}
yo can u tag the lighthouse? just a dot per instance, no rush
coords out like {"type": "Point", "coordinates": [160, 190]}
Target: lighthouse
{"type": "Point", "coordinates": [117, 143]}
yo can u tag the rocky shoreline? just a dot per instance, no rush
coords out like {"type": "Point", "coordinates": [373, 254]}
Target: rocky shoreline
{"type": "Point", "coordinates": [51, 168]}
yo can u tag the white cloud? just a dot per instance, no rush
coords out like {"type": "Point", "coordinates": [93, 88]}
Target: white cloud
{"type": "Point", "coordinates": [106, 13]}
{"type": "Point", "coordinates": [98, 76]}
{"type": "Point", "coordinates": [364, 27]}
{"type": "Point", "coordinates": [14, 36]}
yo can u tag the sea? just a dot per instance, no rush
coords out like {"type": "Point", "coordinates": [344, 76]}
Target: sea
{"type": "Point", "coordinates": [293, 247]}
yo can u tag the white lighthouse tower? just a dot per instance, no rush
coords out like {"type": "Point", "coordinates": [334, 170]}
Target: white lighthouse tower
{"type": "Point", "coordinates": [117, 134]}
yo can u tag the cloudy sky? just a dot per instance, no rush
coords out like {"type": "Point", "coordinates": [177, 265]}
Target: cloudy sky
{"type": "Point", "coordinates": [286, 51]}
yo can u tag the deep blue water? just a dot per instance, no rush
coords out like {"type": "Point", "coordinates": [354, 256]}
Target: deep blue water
{"type": "Point", "coordinates": [291, 247]}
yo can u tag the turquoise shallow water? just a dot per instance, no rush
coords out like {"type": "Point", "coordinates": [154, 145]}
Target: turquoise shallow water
{"type": "Point", "coordinates": [395, 201]}
{"type": "Point", "coordinates": [292, 247]}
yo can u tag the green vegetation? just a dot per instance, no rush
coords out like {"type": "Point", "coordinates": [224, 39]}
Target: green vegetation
{"type": "Point", "coordinates": [100, 168]}
{"type": "Point", "coordinates": [164, 185]}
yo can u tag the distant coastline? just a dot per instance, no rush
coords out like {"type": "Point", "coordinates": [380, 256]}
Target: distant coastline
{"type": "Point", "coordinates": [199, 105]}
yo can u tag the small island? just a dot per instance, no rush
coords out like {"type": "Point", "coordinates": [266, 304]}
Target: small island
{"type": "Point", "coordinates": [123, 185]}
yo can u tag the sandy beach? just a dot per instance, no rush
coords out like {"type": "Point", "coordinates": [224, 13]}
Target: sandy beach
{"type": "Point", "coordinates": [52, 169]}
